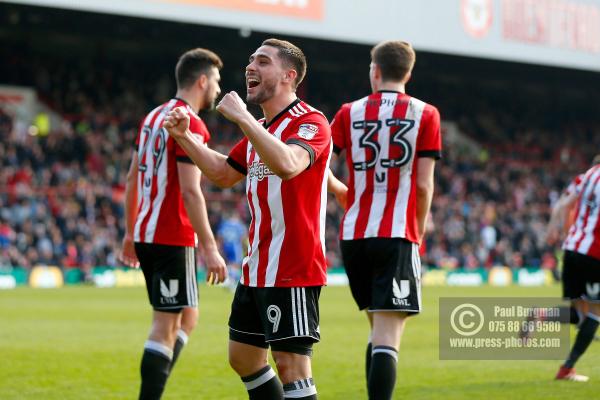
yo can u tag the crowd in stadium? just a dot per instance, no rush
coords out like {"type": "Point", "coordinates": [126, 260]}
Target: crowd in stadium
{"type": "Point", "coordinates": [61, 192]}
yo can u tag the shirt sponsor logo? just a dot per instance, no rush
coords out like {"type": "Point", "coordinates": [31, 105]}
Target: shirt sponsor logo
{"type": "Point", "coordinates": [307, 131]}
{"type": "Point", "coordinates": [259, 171]}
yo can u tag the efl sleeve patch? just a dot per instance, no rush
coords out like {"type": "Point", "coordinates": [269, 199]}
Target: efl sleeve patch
{"type": "Point", "coordinates": [307, 131]}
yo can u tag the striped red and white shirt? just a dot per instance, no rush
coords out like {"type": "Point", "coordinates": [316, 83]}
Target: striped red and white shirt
{"type": "Point", "coordinates": [161, 216]}
{"type": "Point", "coordinates": [572, 188]}
{"type": "Point", "coordinates": [584, 234]}
{"type": "Point", "coordinates": [384, 134]}
{"type": "Point", "coordinates": [287, 233]}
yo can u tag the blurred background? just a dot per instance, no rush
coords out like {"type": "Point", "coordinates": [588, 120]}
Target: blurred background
{"type": "Point", "coordinates": [517, 84]}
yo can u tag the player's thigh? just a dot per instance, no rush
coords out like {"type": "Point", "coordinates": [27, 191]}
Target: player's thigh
{"type": "Point", "coordinates": [247, 345]}
{"type": "Point", "coordinates": [289, 313]}
{"type": "Point", "coordinates": [573, 276]}
{"type": "Point", "coordinates": [246, 359]}
{"type": "Point", "coordinates": [293, 358]}
{"type": "Point", "coordinates": [290, 318]}
{"type": "Point", "coordinates": [387, 328]}
{"type": "Point", "coordinates": [396, 283]}
{"type": "Point", "coordinates": [165, 326]}
{"type": "Point", "coordinates": [358, 268]}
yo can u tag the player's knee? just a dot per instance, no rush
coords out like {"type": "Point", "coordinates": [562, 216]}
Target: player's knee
{"type": "Point", "coordinates": [284, 367]}
{"type": "Point", "coordinates": [188, 327]}
{"type": "Point", "coordinates": [387, 329]}
{"type": "Point", "coordinates": [173, 327]}
{"type": "Point", "coordinates": [165, 328]}
{"type": "Point", "coordinates": [290, 366]}
{"type": "Point", "coordinates": [236, 362]}
{"type": "Point", "coordinates": [189, 320]}
{"type": "Point", "coordinates": [163, 335]}
{"type": "Point", "coordinates": [174, 331]}
{"type": "Point", "coordinates": [244, 365]}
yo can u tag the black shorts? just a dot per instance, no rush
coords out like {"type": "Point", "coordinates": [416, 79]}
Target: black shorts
{"type": "Point", "coordinates": [581, 277]}
{"type": "Point", "coordinates": [281, 317]}
{"type": "Point", "coordinates": [170, 273]}
{"type": "Point", "coordinates": [384, 273]}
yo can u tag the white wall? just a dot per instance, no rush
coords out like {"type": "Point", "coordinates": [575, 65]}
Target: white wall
{"type": "Point", "coordinates": [552, 32]}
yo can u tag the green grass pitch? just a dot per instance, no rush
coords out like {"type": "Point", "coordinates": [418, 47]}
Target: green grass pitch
{"type": "Point", "coordinates": [85, 343]}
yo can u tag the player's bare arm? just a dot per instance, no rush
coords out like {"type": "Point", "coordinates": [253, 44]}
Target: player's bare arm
{"type": "Point", "coordinates": [558, 216]}
{"type": "Point", "coordinates": [195, 206]}
{"type": "Point", "coordinates": [425, 168]}
{"type": "Point", "coordinates": [285, 160]}
{"type": "Point", "coordinates": [212, 163]}
{"type": "Point", "coordinates": [127, 255]}
{"type": "Point", "coordinates": [338, 188]}
{"type": "Point", "coordinates": [334, 185]}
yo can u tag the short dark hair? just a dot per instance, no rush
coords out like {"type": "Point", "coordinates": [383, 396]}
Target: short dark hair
{"type": "Point", "coordinates": [194, 63]}
{"type": "Point", "coordinates": [291, 55]}
{"type": "Point", "coordinates": [395, 58]}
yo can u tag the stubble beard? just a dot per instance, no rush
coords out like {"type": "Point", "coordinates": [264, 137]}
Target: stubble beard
{"type": "Point", "coordinates": [263, 95]}
{"type": "Point", "coordinates": [209, 102]}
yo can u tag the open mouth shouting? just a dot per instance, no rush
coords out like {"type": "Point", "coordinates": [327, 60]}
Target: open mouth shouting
{"type": "Point", "coordinates": [252, 82]}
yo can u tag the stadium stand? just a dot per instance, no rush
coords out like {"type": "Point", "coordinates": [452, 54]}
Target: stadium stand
{"type": "Point", "coordinates": [61, 193]}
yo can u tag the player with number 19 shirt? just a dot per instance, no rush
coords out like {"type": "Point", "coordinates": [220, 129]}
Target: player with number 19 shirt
{"type": "Point", "coordinates": [161, 215]}
{"type": "Point", "coordinates": [165, 214]}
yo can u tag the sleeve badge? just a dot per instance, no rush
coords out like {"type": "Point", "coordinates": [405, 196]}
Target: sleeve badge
{"type": "Point", "coordinates": [307, 131]}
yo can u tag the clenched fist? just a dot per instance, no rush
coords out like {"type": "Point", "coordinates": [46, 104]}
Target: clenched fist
{"type": "Point", "coordinates": [232, 107]}
{"type": "Point", "coordinates": [177, 122]}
